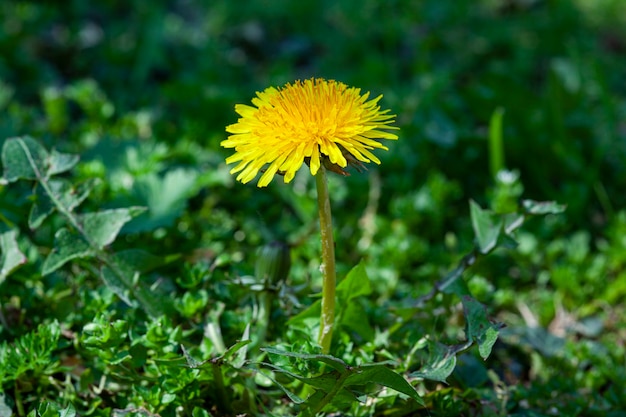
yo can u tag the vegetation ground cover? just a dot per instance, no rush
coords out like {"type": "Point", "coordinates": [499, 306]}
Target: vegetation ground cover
{"type": "Point", "coordinates": [481, 266]}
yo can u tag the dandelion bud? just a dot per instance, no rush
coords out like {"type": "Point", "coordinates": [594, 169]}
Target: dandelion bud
{"type": "Point", "coordinates": [273, 263]}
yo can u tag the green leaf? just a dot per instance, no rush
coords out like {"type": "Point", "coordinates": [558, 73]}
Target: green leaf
{"type": "Point", "coordinates": [139, 260]}
{"type": "Point", "coordinates": [354, 317]}
{"type": "Point", "coordinates": [67, 246]}
{"type": "Point", "coordinates": [239, 349]}
{"type": "Point", "coordinates": [10, 255]}
{"type": "Point", "coordinates": [116, 284]}
{"type": "Point", "coordinates": [543, 207]}
{"type": "Point", "coordinates": [67, 195]}
{"type": "Point", "coordinates": [102, 227]}
{"type": "Point", "coordinates": [323, 382]}
{"type": "Point", "coordinates": [61, 162]}
{"type": "Point", "coordinates": [440, 363]}
{"type": "Point", "coordinates": [479, 328]}
{"type": "Point", "coordinates": [6, 404]}
{"type": "Point", "coordinates": [334, 362]}
{"type": "Point", "coordinates": [380, 374]}
{"type": "Point", "coordinates": [487, 227]}
{"type": "Point", "coordinates": [24, 158]}
{"type": "Point", "coordinates": [355, 284]}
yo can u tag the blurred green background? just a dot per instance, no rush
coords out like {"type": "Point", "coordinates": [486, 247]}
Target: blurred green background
{"type": "Point", "coordinates": [555, 67]}
{"type": "Point", "coordinates": [143, 89]}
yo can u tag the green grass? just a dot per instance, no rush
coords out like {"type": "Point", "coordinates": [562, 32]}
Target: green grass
{"type": "Point", "coordinates": [138, 290]}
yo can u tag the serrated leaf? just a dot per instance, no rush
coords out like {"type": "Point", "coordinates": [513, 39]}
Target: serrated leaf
{"type": "Point", "coordinates": [24, 158]}
{"type": "Point", "coordinates": [479, 328]}
{"type": "Point", "coordinates": [61, 162]}
{"type": "Point", "coordinates": [382, 375]}
{"type": "Point", "coordinates": [10, 255]}
{"type": "Point", "coordinates": [543, 207]}
{"type": "Point", "coordinates": [102, 227]}
{"type": "Point", "coordinates": [487, 227]}
{"type": "Point", "coordinates": [67, 246]}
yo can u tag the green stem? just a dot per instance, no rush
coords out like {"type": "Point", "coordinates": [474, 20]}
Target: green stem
{"type": "Point", "coordinates": [327, 319]}
{"type": "Point", "coordinates": [222, 395]}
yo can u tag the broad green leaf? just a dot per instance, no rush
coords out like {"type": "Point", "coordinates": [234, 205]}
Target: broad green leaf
{"type": "Point", "coordinates": [24, 158]}
{"type": "Point", "coordinates": [440, 363]}
{"type": "Point", "coordinates": [121, 286]}
{"type": "Point", "coordinates": [61, 162]}
{"type": "Point", "coordinates": [487, 341]}
{"type": "Point", "coordinates": [512, 222]}
{"type": "Point", "coordinates": [43, 205]}
{"type": "Point", "coordinates": [10, 255]}
{"type": "Point", "coordinates": [155, 302]}
{"type": "Point", "coordinates": [486, 226]}
{"type": "Point", "coordinates": [543, 207]}
{"type": "Point", "coordinates": [355, 284]}
{"type": "Point", "coordinates": [380, 374]}
{"type": "Point", "coordinates": [63, 193]}
{"type": "Point", "coordinates": [478, 327]}
{"type": "Point", "coordinates": [308, 317]}
{"type": "Point", "coordinates": [354, 317]}
{"type": "Point", "coordinates": [67, 246]}
{"type": "Point", "coordinates": [102, 227]}
{"type": "Point", "coordinates": [6, 404]}
{"type": "Point", "coordinates": [239, 350]}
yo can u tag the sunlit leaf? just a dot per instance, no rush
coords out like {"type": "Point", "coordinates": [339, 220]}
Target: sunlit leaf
{"type": "Point", "coordinates": [63, 195]}
{"type": "Point", "coordinates": [10, 255]}
{"type": "Point", "coordinates": [479, 328]}
{"type": "Point", "coordinates": [67, 246]}
{"type": "Point", "coordinates": [543, 207]}
{"type": "Point", "coordinates": [487, 227]}
{"type": "Point", "coordinates": [102, 227]}
{"type": "Point", "coordinates": [380, 374]}
{"type": "Point", "coordinates": [24, 158]}
{"type": "Point", "coordinates": [440, 363]}
{"type": "Point", "coordinates": [61, 162]}
{"type": "Point", "coordinates": [355, 284]}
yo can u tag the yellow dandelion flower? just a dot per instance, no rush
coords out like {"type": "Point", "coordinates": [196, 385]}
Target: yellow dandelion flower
{"type": "Point", "coordinates": [313, 121]}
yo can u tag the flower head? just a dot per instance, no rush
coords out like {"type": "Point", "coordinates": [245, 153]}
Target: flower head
{"type": "Point", "coordinates": [312, 121]}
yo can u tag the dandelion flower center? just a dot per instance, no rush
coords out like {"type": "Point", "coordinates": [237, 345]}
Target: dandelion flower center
{"type": "Point", "coordinates": [310, 120]}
